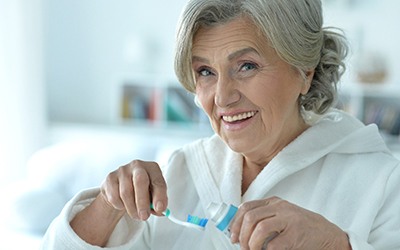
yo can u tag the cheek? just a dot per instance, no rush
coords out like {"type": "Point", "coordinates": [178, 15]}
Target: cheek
{"type": "Point", "coordinates": [205, 99]}
{"type": "Point", "coordinates": [279, 91]}
{"type": "Point", "coordinates": [273, 102]}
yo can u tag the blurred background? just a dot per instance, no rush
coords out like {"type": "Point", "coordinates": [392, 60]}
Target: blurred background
{"type": "Point", "coordinates": [88, 85]}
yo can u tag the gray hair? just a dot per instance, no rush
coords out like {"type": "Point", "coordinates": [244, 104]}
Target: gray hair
{"type": "Point", "coordinates": [292, 27]}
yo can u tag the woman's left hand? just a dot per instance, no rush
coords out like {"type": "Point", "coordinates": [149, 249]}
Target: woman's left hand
{"type": "Point", "coordinates": [294, 227]}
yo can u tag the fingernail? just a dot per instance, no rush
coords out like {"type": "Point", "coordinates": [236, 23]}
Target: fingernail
{"type": "Point", "coordinates": [143, 214]}
{"type": "Point", "coordinates": [160, 206]}
{"type": "Point", "coordinates": [234, 238]}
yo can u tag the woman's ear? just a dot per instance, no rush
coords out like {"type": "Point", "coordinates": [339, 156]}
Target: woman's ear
{"type": "Point", "coordinates": [308, 80]}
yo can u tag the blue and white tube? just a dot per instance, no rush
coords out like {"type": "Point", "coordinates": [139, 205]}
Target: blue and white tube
{"type": "Point", "coordinates": [222, 215]}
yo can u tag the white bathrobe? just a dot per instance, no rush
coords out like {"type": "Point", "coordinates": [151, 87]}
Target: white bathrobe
{"type": "Point", "coordinates": [338, 168]}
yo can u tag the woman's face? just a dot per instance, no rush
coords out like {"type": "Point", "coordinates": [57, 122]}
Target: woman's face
{"type": "Point", "coordinates": [249, 94]}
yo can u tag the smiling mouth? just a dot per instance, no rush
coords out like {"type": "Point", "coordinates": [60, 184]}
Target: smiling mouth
{"type": "Point", "coordinates": [239, 117]}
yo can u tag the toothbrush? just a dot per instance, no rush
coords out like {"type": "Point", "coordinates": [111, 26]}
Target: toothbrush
{"type": "Point", "coordinates": [192, 221]}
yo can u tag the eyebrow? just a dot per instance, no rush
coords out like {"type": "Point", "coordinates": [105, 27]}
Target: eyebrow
{"type": "Point", "coordinates": [241, 52]}
{"type": "Point", "coordinates": [232, 56]}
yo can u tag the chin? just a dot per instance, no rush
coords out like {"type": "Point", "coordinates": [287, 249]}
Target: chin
{"type": "Point", "coordinates": [238, 146]}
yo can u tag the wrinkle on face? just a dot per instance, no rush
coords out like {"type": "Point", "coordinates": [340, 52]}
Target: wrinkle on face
{"type": "Point", "coordinates": [268, 85]}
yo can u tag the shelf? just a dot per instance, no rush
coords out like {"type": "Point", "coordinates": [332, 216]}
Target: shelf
{"type": "Point", "coordinates": [373, 103]}
{"type": "Point", "coordinates": [159, 104]}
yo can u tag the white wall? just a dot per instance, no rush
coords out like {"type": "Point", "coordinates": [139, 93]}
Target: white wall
{"type": "Point", "coordinates": [91, 44]}
{"type": "Point", "coordinates": [22, 105]}
{"type": "Point", "coordinates": [371, 26]}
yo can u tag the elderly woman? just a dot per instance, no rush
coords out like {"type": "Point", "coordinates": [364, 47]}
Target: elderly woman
{"type": "Point", "coordinates": [265, 73]}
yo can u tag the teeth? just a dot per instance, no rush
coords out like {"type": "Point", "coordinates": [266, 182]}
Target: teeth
{"type": "Point", "coordinates": [238, 117]}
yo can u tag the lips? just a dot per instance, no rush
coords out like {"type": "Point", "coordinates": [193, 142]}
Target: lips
{"type": "Point", "coordinates": [238, 117]}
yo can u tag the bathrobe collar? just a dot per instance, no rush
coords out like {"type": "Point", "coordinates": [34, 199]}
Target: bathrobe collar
{"type": "Point", "coordinates": [217, 170]}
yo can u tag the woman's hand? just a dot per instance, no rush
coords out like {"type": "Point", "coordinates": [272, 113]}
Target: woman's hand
{"type": "Point", "coordinates": [129, 189]}
{"type": "Point", "coordinates": [132, 187]}
{"type": "Point", "coordinates": [293, 226]}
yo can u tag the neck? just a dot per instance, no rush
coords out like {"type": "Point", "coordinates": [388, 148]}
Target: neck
{"type": "Point", "coordinates": [250, 172]}
{"type": "Point", "coordinates": [252, 167]}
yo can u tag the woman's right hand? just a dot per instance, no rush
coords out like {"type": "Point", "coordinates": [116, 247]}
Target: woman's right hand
{"type": "Point", "coordinates": [129, 189]}
{"type": "Point", "coordinates": [134, 186]}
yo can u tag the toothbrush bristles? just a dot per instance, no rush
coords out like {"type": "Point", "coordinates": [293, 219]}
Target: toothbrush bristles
{"type": "Point", "coordinates": [197, 221]}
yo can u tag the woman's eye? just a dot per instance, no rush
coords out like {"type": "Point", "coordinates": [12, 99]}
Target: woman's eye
{"type": "Point", "coordinates": [248, 66]}
{"type": "Point", "coordinates": [204, 72]}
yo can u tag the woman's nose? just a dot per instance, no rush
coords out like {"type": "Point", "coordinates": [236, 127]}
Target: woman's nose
{"type": "Point", "coordinates": [227, 92]}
